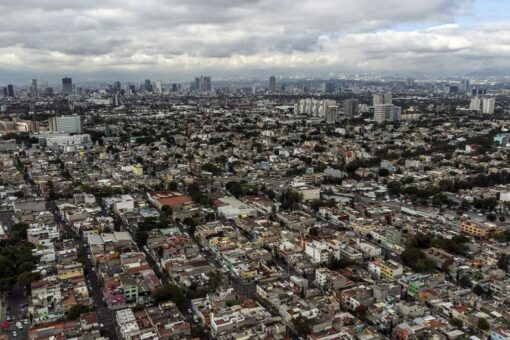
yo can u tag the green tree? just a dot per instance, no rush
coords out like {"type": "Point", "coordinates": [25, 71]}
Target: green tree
{"type": "Point", "coordinates": [483, 324]}
{"type": "Point", "coordinates": [170, 292]}
{"type": "Point", "coordinates": [383, 172]}
{"type": "Point", "coordinates": [456, 322]}
{"type": "Point", "coordinates": [77, 310]}
{"type": "Point", "coordinates": [503, 262]}
{"type": "Point", "coordinates": [302, 326]}
{"type": "Point", "coordinates": [290, 198]}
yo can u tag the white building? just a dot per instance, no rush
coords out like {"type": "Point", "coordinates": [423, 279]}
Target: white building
{"type": "Point", "coordinates": [234, 208]}
{"type": "Point", "coordinates": [69, 124]}
{"type": "Point", "coordinates": [475, 104]}
{"type": "Point", "coordinates": [126, 324]}
{"type": "Point", "coordinates": [488, 105]}
{"type": "Point", "coordinates": [318, 251]}
{"type": "Point", "coordinates": [387, 113]}
{"type": "Point", "coordinates": [382, 98]}
{"type": "Point", "coordinates": [57, 140]}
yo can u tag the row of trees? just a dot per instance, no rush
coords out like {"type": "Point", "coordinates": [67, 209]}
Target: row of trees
{"type": "Point", "coordinates": [414, 258]}
{"type": "Point", "coordinates": [16, 260]}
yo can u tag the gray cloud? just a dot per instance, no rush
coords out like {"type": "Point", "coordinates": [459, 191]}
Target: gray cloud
{"type": "Point", "coordinates": [167, 36]}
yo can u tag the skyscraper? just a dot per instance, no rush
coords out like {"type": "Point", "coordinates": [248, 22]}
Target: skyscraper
{"type": "Point", "coordinates": [351, 107]}
{"type": "Point", "coordinates": [382, 98]}
{"type": "Point", "coordinates": [10, 90]}
{"type": "Point", "coordinates": [272, 84]}
{"type": "Point", "coordinates": [202, 84]}
{"type": "Point", "coordinates": [331, 114]}
{"type": "Point", "coordinates": [488, 105]}
{"type": "Point", "coordinates": [33, 88]}
{"type": "Point", "coordinates": [117, 86]}
{"type": "Point", "coordinates": [327, 87]}
{"type": "Point", "coordinates": [67, 86]}
{"type": "Point", "coordinates": [116, 100]}
{"type": "Point", "coordinates": [159, 86]}
{"type": "Point", "coordinates": [147, 85]}
{"type": "Point", "coordinates": [387, 113]}
{"type": "Point", "coordinates": [475, 104]}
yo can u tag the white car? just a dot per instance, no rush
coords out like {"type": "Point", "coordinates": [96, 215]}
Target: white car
{"type": "Point", "coordinates": [19, 325]}
{"type": "Point", "coordinates": [14, 334]}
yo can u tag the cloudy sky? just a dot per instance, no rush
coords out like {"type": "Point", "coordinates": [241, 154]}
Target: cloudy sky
{"type": "Point", "coordinates": [176, 39]}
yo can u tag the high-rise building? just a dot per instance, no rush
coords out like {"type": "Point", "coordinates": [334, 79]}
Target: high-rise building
{"type": "Point", "coordinates": [207, 84]}
{"type": "Point", "coordinates": [159, 86]}
{"type": "Point", "coordinates": [488, 105]}
{"type": "Point", "coordinates": [351, 107]}
{"type": "Point", "coordinates": [67, 86]}
{"type": "Point", "coordinates": [387, 113]}
{"type": "Point", "coordinates": [331, 114]}
{"type": "Point", "coordinates": [6, 93]}
{"type": "Point", "coordinates": [117, 86]}
{"type": "Point", "coordinates": [202, 84]}
{"type": "Point", "coordinates": [272, 84]}
{"type": "Point", "coordinates": [69, 124]}
{"type": "Point", "coordinates": [475, 104]}
{"type": "Point", "coordinates": [116, 100]}
{"type": "Point", "coordinates": [147, 85]}
{"type": "Point", "coordinates": [33, 88]}
{"type": "Point", "coordinates": [382, 98]}
{"type": "Point", "coordinates": [49, 91]}
{"type": "Point", "coordinates": [10, 90]}
{"type": "Point", "coordinates": [464, 85]}
{"type": "Point", "coordinates": [174, 87]}
{"type": "Point", "coordinates": [327, 87]}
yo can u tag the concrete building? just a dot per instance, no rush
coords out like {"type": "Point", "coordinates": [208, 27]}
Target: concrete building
{"type": "Point", "coordinates": [67, 86]}
{"type": "Point", "coordinates": [351, 107]}
{"type": "Point", "coordinates": [382, 98]}
{"type": "Point", "coordinates": [488, 105]}
{"type": "Point", "coordinates": [68, 124]}
{"type": "Point", "coordinates": [475, 104]}
{"type": "Point", "coordinates": [387, 113]}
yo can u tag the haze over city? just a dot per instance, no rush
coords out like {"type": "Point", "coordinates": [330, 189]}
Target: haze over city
{"type": "Point", "coordinates": [129, 40]}
{"type": "Point", "coordinates": [255, 170]}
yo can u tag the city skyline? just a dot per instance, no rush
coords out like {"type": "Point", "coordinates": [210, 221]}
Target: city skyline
{"type": "Point", "coordinates": [126, 40]}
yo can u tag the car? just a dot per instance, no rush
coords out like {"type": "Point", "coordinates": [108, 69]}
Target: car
{"type": "Point", "coordinates": [25, 321]}
{"type": "Point", "coordinates": [19, 325]}
{"type": "Point", "coordinates": [14, 334]}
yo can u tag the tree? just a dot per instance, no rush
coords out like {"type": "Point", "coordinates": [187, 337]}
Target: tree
{"type": "Point", "coordinates": [316, 204]}
{"type": "Point", "coordinates": [77, 310]}
{"type": "Point", "coordinates": [173, 185]}
{"type": "Point", "coordinates": [503, 262]}
{"type": "Point", "coordinates": [26, 278]}
{"type": "Point", "coordinates": [456, 322]}
{"type": "Point", "coordinates": [235, 188]}
{"type": "Point", "coordinates": [170, 292]}
{"type": "Point", "coordinates": [383, 172]}
{"type": "Point", "coordinates": [465, 282]}
{"type": "Point", "coordinates": [167, 210]}
{"type": "Point", "coordinates": [302, 326]}
{"type": "Point", "coordinates": [491, 217]}
{"type": "Point", "coordinates": [483, 324]}
{"type": "Point", "coordinates": [478, 290]}
{"type": "Point", "coordinates": [290, 198]}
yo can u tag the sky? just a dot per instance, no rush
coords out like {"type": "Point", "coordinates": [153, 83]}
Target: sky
{"type": "Point", "coordinates": [173, 40]}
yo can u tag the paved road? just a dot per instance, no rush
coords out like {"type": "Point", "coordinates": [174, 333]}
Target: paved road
{"type": "Point", "coordinates": [104, 314]}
